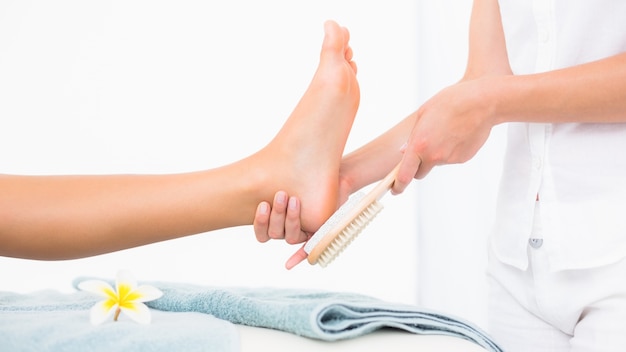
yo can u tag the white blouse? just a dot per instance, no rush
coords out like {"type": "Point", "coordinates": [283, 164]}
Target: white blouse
{"type": "Point", "coordinates": [578, 171]}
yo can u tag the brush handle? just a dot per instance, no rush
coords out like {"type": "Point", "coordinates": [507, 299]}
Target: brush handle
{"type": "Point", "coordinates": [385, 184]}
{"type": "Point", "coordinates": [380, 189]}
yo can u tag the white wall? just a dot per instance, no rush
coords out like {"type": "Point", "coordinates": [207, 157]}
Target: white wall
{"type": "Point", "coordinates": [142, 86]}
{"type": "Point", "coordinates": [456, 203]}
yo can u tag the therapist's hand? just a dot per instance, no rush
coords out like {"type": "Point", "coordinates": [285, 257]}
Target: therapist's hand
{"type": "Point", "coordinates": [281, 220]}
{"type": "Point", "coordinates": [450, 128]}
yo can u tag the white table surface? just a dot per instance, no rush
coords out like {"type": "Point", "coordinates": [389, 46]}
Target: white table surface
{"type": "Point", "coordinates": [262, 340]}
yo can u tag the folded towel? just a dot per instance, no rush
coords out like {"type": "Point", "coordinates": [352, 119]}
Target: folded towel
{"type": "Point", "coordinates": [52, 321]}
{"type": "Point", "coordinates": [322, 315]}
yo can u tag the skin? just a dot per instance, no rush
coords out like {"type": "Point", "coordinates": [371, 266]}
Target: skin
{"type": "Point", "coordinates": [64, 217]}
{"type": "Point", "coordinates": [455, 123]}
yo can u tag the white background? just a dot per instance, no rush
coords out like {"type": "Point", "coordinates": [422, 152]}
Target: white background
{"type": "Point", "coordinates": [169, 86]}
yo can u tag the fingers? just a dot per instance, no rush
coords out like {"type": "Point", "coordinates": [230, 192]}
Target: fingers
{"type": "Point", "coordinates": [276, 228]}
{"type": "Point", "coordinates": [261, 222]}
{"type": "Point", "coordinates": [281, 220]}
{"type": "Point", "coordinates": [296, 258]}
{"type": "Point", "coordinates": [292, 225]}
{"type": "Point", "coordinates": [409, 167]}
{"type": "Point", "coordinates": [423, 169]}
{"type": "Point", "coordinates": [269, 221]}
{"type": "Point", "coordinates": [412, 166]}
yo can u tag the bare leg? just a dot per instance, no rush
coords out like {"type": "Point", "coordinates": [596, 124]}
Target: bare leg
{"type": "Point", "coordinates": [60, 217]}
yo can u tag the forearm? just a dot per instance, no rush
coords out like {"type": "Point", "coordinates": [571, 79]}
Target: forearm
{"type": "Point", "coordinates": [592, 92]}
{"type": "Point", "coordinates": [487, 54]}
{"type": "Point", "coordinates": [374, 160]}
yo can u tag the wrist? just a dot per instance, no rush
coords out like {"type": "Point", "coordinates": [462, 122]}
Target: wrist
{"type": "Point", "coordinates": [500, 92]}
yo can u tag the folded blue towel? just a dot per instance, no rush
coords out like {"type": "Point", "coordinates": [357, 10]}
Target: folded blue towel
{"type": "Point", "coordinates": [49, 321]}
{"type": "Point", "coordinates": [52, 321]}
{"type": "Point", "coordinates": [316, 314]}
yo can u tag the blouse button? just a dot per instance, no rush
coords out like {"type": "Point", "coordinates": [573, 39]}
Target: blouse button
{"type": "Point", "coordinates": [536, 243]}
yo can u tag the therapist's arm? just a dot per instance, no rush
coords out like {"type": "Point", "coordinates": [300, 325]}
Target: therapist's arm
{"type": "Point", "coordinates": [454, 124]}
{"type": "Point", "coordinates": [374, 160]}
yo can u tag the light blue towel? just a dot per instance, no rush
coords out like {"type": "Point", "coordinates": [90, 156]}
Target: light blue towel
{"type": "Point", "coordinates": [62, 321]}
{"type": "Point", "coordinates": [316, 314]}
{"type": "Point", "coordinates": [50, 321]}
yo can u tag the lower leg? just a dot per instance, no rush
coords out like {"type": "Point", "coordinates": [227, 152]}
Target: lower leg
{"type": "Point", "coordinates": [63, 217]}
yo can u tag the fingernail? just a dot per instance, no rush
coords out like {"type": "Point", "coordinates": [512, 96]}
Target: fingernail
{"type": "Point", "coordinates": [293, 203]}
{"type": "Point", "coordinates": [281, 198]}
{"type": "Point", "coordinates": [403, 147]}
{"type": "Point", "coordinates": [263, 208]}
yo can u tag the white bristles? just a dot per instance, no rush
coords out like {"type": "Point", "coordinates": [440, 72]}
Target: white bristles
{"type": "Point", "coordinates": [339, 214]}
{"type": "Point", "coordinates": [347, 222]}
{"type": "Point", "coordinates": [349, 233]}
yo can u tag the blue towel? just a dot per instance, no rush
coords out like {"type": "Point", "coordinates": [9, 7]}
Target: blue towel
{"type": "Point", "coordinates": [50, 321]}
{"type": "Point", "coordinates": [322, 315]}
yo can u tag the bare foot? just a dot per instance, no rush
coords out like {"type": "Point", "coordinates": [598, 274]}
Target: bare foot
{"type": "Point", "coordinates": [304, 157]}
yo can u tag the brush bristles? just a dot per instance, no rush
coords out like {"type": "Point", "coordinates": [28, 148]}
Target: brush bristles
{"type": "Point", "coordinates": [349, 233]}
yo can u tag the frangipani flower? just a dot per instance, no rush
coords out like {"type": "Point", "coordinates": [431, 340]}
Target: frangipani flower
{"type": "Point", "coordinates": [127, 297]}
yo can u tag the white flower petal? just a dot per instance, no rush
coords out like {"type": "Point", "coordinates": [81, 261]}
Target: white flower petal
{"type": "Point", "coordinates": [98, 287]}
{"type": "Point", "coordinates": [138, 312]}
{"type": "Point", "coordinates": [101, 312]}
{"type": "Point", "coordinates": [126, 296]}
{"type": "Point", "coordinates": [125, 278]}
{"type": "Point", "coordinates": [147, 293]}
